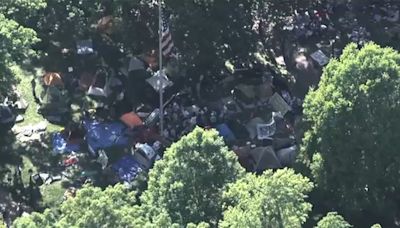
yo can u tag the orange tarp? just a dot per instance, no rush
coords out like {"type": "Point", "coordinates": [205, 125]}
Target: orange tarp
{"type": "Point", "coordinates": [105, 24]}
{"type": "Point", "coordinates": [131, 119]}
{"type": "Point", "coordinates": [52, 79]}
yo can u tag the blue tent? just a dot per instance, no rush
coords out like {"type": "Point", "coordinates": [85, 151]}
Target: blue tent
{"type": "Point", "coordinates": [60, 144]}
{"type": "Point", "coordinates": [106, 135]}
{"type": "Point", "coordinates": [127, 168]}
{"type": "Point", "coordinates": [225, 132]}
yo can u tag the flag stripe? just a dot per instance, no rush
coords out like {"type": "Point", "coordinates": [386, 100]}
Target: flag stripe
{"type": "Point", "coordinates": [171, 45]}
{"type": "Point", "coordinates": [166, 38]}
{"type": "Point", "coordinates": [166, 41]}
{"type": "Point", "coordinates": [168, 51]}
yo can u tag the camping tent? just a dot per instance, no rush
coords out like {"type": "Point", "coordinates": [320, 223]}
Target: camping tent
{"type": "Point", "coordinates": [7, 118]}
{"type": "Point", "coordinates": [54, 101]}
{"type": "Point", "coordinates": [280, 143]}
{"type": "Point", "coordinates": [225, 132]}
{"type": "Point", "coordinates": [53, 79]}
{"type": "Point", "coordinates": [265, 90]}
{"type": "Point", "coordinates": [61, 144]}
{"type": "Point", "coordinates": [131, 119]}
{"type": "Point", "coordinates": [288, 155]}
{"type": "Point", "coordinates": [136, 64]}
{"type": "Point", "coordinates": [265, 158]}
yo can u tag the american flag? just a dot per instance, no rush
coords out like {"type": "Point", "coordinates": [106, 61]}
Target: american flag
{"type": "Point", "coordinates": [167, 44]}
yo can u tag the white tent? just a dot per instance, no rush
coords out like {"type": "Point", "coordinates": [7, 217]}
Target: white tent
{"type": "Point", "coordinates": [158, 82]}
{"type": "Point", "coordinates": [84, 47]}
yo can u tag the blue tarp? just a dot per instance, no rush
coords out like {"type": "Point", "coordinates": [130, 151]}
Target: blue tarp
{"type": "Point", "coordinates": [127, 168]}
{"type": "Point", "coordinates": [60, 145]}
{"type": "Point", "coordinates": [225, 132]}
{"type": "Point", "coordinates": [106, 135]}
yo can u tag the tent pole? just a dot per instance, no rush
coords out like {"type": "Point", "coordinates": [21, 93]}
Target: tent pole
{"type": "Point", "coordinates": [160, 66]}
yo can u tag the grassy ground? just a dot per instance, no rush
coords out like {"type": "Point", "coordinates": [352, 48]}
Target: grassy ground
{"type": "Point", "coordinates": [25, 87]}
{"type": "Point", "coordinates": [33, 156]}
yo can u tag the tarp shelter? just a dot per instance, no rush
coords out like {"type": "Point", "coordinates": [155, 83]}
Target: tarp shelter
{"type": "Point", "coordinates": [106, 135]}
{"type": "Point", "coordinates": [53, 79]}
{"type": "Point", "coordinates": [131, 119]}
{"type": "Point", "coordinates": [265, 158]}
{"type": "Point", "coordinates": [225, 132]}
{"type": "Point", "coordinates": [243, 151]}
{"type": "Point", "coordinates": [238, 129]}
{"type": "Point", "coordinates": [320, 58]}
{"type": "Point", "coordinates": [251, 126]}
{"type": "Point", "coordinates": [248, 90]}
{"type": "Point", "coordinates": [265, 90]}
{"type": "Point", "coordinates": [127, 168]}
{"type": "Point", "coordinates": [54, 101]}
{"type": "Point", "coordinates": [287, 155]}
{"type": "Point", "coordinates": [84, 47]}
{"type": "Point", "coordinates": [280, 143]}
{"type": "Point", "coordinates": [158, 82]}
{"type": "Point", "coordinates": [279, 104]}
{"type": "Point", "coordinates": [61, 144]}
{"type": "Point", "coordinates": [136, 64]}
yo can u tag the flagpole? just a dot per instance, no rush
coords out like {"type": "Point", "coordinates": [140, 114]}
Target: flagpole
{"type": "Point", "coordinates": [160, 68]}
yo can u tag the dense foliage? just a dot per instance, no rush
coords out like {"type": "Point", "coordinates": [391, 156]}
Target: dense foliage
{"type": "Point", "coordinates": [93, 207]}
{"type": "Point", "coordinates": [189, 181]}
{"type": "Point", "coordinates": [333, 220]}
{"type": "Point", "coordinates": [16, 39]}
{"type": "Point", "coordinates": [270, 200]}
{"type": "Point", "coordinates": [352, 145]}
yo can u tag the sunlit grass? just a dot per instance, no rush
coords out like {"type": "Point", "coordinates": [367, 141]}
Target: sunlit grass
{"type": "Point", "coordinates": [24, 86]}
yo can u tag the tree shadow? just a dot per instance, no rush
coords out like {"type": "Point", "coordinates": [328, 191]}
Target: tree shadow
{"type": "Point", "coordinates": [7, 80]}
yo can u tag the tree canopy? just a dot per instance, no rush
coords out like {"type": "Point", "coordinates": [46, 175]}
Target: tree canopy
{"type": "Point", "coordinates": [16, 39]}
{"type": "Point", "coordinates": [352, 145]}
{"type": "Point", "coordinates": [333, 220]}
{"type": "Point", "coordinates": [93, 207]}
{"type": "Point", "coordinates": [189, 181]}
{"type": "Point", "coordinates": [270, 200]}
